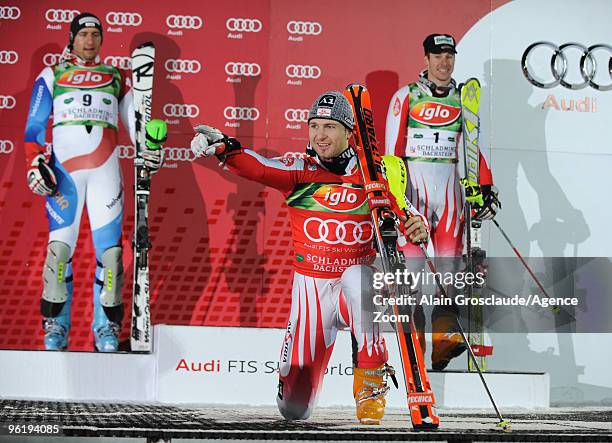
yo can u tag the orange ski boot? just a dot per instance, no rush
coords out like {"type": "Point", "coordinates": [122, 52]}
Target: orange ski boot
{"type": "Point", "coordinates": [369, 390]}
{"type": "Point", "coordinates": [447, 342]}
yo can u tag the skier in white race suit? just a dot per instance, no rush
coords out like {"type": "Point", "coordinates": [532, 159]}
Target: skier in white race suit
{"type": "Point", "coordinates": [333, 251]}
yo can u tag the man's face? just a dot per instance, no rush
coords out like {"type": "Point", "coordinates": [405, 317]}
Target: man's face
{"type": "Point", "coordinates": [328, 138]}
{"type": "Point", "coordinates": [87, 43]}
{"type": "Point", "coordinates": [440, 67]}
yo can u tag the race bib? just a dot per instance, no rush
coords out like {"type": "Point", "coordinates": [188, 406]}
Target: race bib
{"type": "Point", "coordinates": [83, 105]}
{"type": "Point", "coordinates": [432, 144]}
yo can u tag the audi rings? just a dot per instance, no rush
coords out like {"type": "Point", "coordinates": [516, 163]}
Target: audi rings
{"type": "Point", "coordinates": [50, 59]}
{"type": "Point", "coordinates": [115, 18]}
{"type": "Point", "coordinates": [183, 66]}
{"type": "Point", "coordinates": [9, 57]}
{"type": "Point", "coordinates": [119, 61]}
{"type": "Point", "coordinates": [170, 154]}
{"type": "Point", "coordinates": [9, 12]}
{"type": "Point", "coordinates": [560, 67]}
{"type": "Point", "coordinates": [6, 147]}
{"type": "Point", "coordinates": [184, 21]}
{"type": "Point", "coordinates": [357, 232]}
{"type": "Point", "coordinates": [242, 69]}
{"type": "Point", "coordinates": [61, 15]}
{"type": "Point", "coordinates": [233, 113]}
{"type": "Point", "coordinates": [7, 102]}
{"type": "Point", "coordinates": [181, 110]}
{"type": "Point", "coordinates": [243, 24]}
{"type": "Point", "coordinates": [304, 28]}
{"type": "Point", "coordinates": [296, 115]}
{"type": "Point", "coordinates": [303, 71]}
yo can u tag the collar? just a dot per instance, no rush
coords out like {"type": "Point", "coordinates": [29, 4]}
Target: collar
{"type": "Point", "coordinates": [344, 164]}
{"type": "Point", "coordinates": [434, 90]}
{"type": "Point", "coordinates": [71, 57]}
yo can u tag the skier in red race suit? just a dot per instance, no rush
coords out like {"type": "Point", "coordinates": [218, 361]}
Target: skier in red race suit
{"type": "Point", "coordinates": [424, 127]}
{"type": "Point", "coordinates": [333, 251]}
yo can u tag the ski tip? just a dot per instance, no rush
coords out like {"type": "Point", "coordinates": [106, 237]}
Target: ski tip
{"type": "Point", "coordinates": [505, 425]}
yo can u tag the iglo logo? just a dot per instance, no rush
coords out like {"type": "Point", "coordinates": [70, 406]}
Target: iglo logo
{"type": "Point", "coordinates": [183, 66]}
{"type": "Point", "coordinates": [243, 24]}
{"type": "Point", "coordinates": [233, 113]}
{"type": "Point", "coordinates": [82, 78]}
{"type": "Point", "coordinates": [434, 113]}
{"type": "Point", "coordinates": [242, 69]}
{"type": "Point", "coordinates": [6, 147]}
{"type": "Point", "coordinates": [8, 57]}
{"type": "Point", "coordinates": [338, 198]}
{"type": "Point", "coordinates": [184, 21]}
{"type": "Point", "coordinates": [61, 15]}
{"type": "Point", "coordinates": [304, 28]}
{"type": "Point", "coordinates": [9, 12]}
{"type": "Point", "coordinates": [119, 61]}
{"type": "Point", "coordinates": [303, 71]}
{"type": "Point", "coordinates": [50, 59]}
{"type": "Point", "coordinates": [181, 110]}
{"type": "Point", "coordinates": [333, 232]}
{"type": "Point", "coordinates": [7, 102]}
{"type": "Point", "coordinates": [584, 70]}
{"type": "Point", "coordinates": [296, 115]}
{"type": "Point", "coordinates": [114, 18]}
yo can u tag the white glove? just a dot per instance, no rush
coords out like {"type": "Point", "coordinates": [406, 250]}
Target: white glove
{"type": "Point", "coordinates": [41, 178]}
{"type": "Point", "coordinates": [208, 141]}
{"type": "Point", "coordinates": [153, 159]}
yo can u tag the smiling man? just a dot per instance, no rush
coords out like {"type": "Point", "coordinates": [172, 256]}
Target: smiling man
{"type": "Point", "coordinates": [332, 252]}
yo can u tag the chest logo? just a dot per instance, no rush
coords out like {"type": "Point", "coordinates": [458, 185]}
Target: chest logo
{"type": "Point", "coordinates": [82, 78]}
{"type": "Point", "coordinates": [339, 198]}
{"type": "Point", "coordinates": [435, 114]}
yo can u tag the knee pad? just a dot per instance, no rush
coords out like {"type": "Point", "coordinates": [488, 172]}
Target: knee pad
{"type": "Point", "coordinates": [112, 283]}
{"type": "Point", "coordinates": [55, 290]}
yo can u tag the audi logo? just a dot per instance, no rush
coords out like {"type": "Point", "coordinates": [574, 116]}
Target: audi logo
{"type": "Point", "coordinates": [243, 24]}
{"type": "Point", "coordinates": [296, 115]}
{"type": "Point", "coordinates": [118, 61]}
{"type": "Point", "coordinates": [303, 71]}
{"type": "Point", "coordinates": [6, 147]}
{"type": "Point", "coordinates": [560, 67]}
{"type": "Point", "coordinates": [335, 232]}
{"type": "Point", "coordinates": [183, 66]}
{"type": "Point", "coordinates": [9, 12]}
{"type": "Point", "coordinates": [123, 18]}
{"type": "Point", "coordinates": [7, 102]}
{"type": "Point", "coordinates": [184, 21]}
{"type": "Point", "coordinates": [181, 110]}
{"type": "Point", "coordinates": [171, 154]}
{"type": "Point", "coordinates": [244, 69]}
{"type": "Point", "coordinates": [61, 15]}
{"type": "Point", "coordinates": [304, 28]}
{"type": "Point", "coordinates": [8, 57]}
{"type": "Point", "coordinates": [233, 113]}
{"type": "Point", "coordinates": [50, 59]}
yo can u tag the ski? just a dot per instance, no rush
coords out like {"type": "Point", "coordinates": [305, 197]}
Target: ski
{"type": "Point", "coordinates": [143, 59]}
{"type": "Point", "coordinates": [474, 254]}
{"type": "Point", "coordinates": [420, 397]}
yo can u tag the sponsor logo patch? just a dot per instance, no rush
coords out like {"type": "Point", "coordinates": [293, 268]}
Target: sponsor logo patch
{"type": "Point", "coordinates": [339, 198]}
{"type": "Point", "coordinates": [81, 78]}
{"type": "Point", "coordinates": [435, 114]}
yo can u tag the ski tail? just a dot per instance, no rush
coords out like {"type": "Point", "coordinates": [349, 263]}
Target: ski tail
{"type": "Point", "coordinates": [420, 397]}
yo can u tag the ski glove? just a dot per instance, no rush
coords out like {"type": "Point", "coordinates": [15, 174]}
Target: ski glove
{"type": "Point", "coordinates": [490, 203]}
{"type": "Point", "coordinates": [210, 141]}
{"type": "Point", "coordinates": [156, 135]}
{"type": "Point", "coordinates": [41, 178]}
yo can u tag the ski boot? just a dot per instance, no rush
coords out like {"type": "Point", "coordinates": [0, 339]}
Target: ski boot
{"type": "Point", "coordinates": [56, 334]}
{"type": "Point", "coordinates": [446, 345]}
{"type": "Point", "coordinates": [369, 390]}
{"type": "Point", "coordinates": [106, 337]}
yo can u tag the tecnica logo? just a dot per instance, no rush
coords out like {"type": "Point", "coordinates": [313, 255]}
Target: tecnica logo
{"type": "Point", "coordinates": [237, 113]}
{"type": "Point", "coordinates": [303, 71]}
{"type": "Point", "coordinates": [6, 147]}
{"type": "Point", "coordinates": [9, 12]}
{"type": "Point", "coordinates": [242, 69]}
{"type": "Point", "coordinates": [243, 24]}
{"type": "Point", "coordinates": [50, 59]}
{"type": "Point", "coordinates": [123, 18]}
{"type": "Point", "coordinates": [304, 28]}
{"type": "Point", "coordinates": [184, 21]}
{"type": "Point", "coordinates": [183, 66]}
{"type": "Point", "coordinates": [181, 110]}
{"type": "Point", "coordinates": [7, 102]}
{"type": "Point", "coordinates": [296, 115]}
{"type": "Point", "coordinates": [8, 57]}
{"type": "Point", "coordinates": [119, 61]}
{"type": "Point", "coordinates": [61, 15]}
